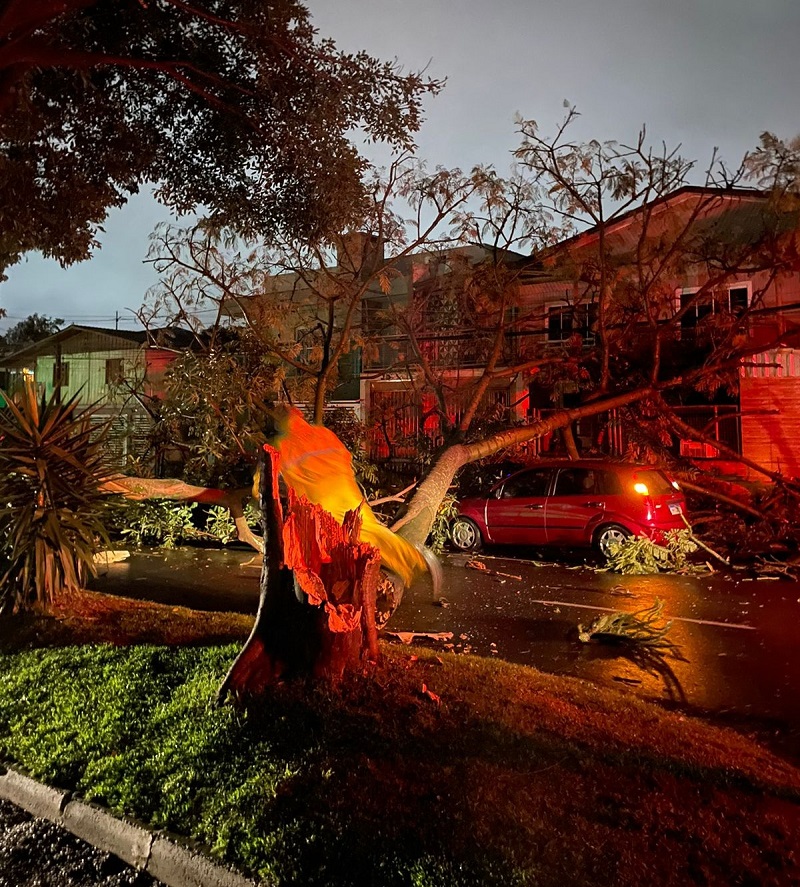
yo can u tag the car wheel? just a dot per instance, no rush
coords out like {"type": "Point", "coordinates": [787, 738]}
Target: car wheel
{"type": "Point", "coordinates": [609, 536]}
{"type": "Point", "coordinates": [465, 534]}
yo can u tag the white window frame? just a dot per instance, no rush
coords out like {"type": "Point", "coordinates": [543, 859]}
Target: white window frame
{"type": "Point", "coordinates": [712, 301]}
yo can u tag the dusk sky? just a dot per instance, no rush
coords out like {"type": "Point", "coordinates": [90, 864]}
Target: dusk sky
{"type": "Point", "coordinates": [702, 73]}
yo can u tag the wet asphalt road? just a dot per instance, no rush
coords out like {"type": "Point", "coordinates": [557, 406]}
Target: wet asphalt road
{"type": "Point", "coordinates": [739, 635]}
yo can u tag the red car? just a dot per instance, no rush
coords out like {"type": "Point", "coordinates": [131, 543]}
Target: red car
{"type": "Point", "coordinates": [582, 503]}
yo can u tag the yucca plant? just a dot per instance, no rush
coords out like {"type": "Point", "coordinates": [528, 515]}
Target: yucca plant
{"type": "Point", "coordinates": [50, 469]}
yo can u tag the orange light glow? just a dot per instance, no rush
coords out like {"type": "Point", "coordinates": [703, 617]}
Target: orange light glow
{"type": "Point", "coordinates": [641, 488]}
{"type": "Point", "coordinates": [317, 465]}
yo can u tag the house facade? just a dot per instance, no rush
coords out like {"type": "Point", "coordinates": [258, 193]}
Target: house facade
{"type": "Point", "coordinates": [717, 269]}
{"type": "Point", "coordinates": [697, 272]}
{"type": "Point", "coordinates": [118, 372]}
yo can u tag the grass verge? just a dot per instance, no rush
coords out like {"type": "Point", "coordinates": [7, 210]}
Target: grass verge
{"type": "Point", "coordinates": [511, 778]}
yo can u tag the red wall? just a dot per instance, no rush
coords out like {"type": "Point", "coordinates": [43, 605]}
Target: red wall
{"type": "Point", "coordinates": [772, 440]}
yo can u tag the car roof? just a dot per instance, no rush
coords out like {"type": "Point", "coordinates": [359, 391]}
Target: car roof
{"type": "Point", "coordinates": [604, 464]}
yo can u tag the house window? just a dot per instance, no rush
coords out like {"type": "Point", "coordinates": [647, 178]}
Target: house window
{"type": "Point", "coordinates": [374, 319]}
{"type": "Point", "coordinates": [60, 374]}
{"type": "Point", "coordinates": [310, 342]}
{"type": "Point", "coordinates": [738, 299]}
{"type": "Point", "coordinates": [733, 300]}
{"type": "Point", "coordinates": [566, 321]}
{"type": "Point", "coordinates": [114, 371]}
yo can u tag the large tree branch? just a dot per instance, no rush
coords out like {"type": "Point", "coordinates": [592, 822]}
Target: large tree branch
{"type": "Point", "coordinates": [416, 523]}
{"type": "Point", "coordinates": [141, 488]}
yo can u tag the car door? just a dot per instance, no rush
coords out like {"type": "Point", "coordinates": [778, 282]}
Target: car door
{"type": "Point", "coordinates": [515, 515]}
{"type": "Point", "coordinates": [576, 506]}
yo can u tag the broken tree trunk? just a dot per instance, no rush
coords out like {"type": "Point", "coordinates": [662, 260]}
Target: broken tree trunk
{"type": "Point", "coordinates": [316, 613]}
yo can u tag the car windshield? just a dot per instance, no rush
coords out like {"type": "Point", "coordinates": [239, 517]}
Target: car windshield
{"type": "Point", "coordinates": [656, 483]}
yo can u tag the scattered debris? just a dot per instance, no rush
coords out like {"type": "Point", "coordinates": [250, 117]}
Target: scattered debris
{"type": "Point", "coordinates": [424, 691]}
{"type": "Point", "coordinates": [639, 555]}
{"type": "Point", "coordinates": [482, 568]}
{"type": "Point", "coordinates": [636, 629]}
{"type": "Point", "coordinates": [633, 682]}
{"type": "Point", "coordinates": [520, 560]}
{"type": "Point", "coordinates": [406, 637]}
{"type": "Point", "coordinates": [442, 602]}
{"type": "Point", "coordinates": [772, 569]}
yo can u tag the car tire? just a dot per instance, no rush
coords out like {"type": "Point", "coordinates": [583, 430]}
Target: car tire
{"type": "Point", "coordinates": [465, 535]}
{"type": "Point", "coordinates": [609, 534]}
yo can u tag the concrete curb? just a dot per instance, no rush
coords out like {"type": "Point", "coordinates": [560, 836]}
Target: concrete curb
{"type": "Point", "coordinates": [168, 858]}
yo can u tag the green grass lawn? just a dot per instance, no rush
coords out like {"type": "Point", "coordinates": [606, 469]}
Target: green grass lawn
{"type": "Point", "coordinates": [511, 777]}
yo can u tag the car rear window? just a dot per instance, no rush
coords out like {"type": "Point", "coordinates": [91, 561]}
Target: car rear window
{"type": "Point", "coordinates": [657, 483]}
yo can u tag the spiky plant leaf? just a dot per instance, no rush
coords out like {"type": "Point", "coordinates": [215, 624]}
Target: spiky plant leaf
{"type": "Point", "coordinates": [50, 469]}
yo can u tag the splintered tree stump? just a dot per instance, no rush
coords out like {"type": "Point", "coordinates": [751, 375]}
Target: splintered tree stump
{"type": "Point", "coordinates": [316, 613]}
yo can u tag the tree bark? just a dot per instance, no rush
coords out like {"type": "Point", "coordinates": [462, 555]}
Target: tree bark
{"type": "Point", "coordinates": [316, 612]}
{"type": "Point", "coordinates": [569, 441]}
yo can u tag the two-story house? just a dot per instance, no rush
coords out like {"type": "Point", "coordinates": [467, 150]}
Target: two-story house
{"type": "Point", "coordinates": [660, 289]}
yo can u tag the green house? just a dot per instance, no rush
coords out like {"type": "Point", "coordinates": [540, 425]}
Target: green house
{"type": "Point", "coordinates": [121, 372]}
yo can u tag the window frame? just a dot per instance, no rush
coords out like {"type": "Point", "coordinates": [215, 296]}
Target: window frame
{"type": "Point", "coordinates": [119, 377]}
{"type": "Point", "coordinates": [711, 303]}
{"type": "Point", "coordinates": [582, 319]}
{"type": "Point", "coordinates": [61, 374]}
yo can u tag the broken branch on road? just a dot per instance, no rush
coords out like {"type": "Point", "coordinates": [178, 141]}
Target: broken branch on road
{"type": "Point", "coordinates": [482, 568]}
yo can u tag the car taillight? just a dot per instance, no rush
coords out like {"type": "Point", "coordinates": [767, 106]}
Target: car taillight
{"type": "Point", "coordinates": [647, 501]}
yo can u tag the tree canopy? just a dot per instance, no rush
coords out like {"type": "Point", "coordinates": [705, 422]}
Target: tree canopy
{"type": "Point", "coordinates": [31, 329]}
{"type": "Point", "coordinates": [233, 105]}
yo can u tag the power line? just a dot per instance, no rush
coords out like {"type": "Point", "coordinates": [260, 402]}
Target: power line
{"type": "Point", "coordinates": [118, 319]}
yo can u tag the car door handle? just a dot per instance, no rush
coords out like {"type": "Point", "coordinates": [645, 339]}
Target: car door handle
{"type": "Point", "coordinates": [534, 506]}
{"type": "Point", "coordinates": [594, 504]}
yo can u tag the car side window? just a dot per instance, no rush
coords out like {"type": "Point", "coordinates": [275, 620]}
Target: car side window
{"type": "Point", "coordinates": [610, 483]}
{"type": "Point", "coordinates": [578, 482]}
{"type": "Point", "coordinates": [526, 485]}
